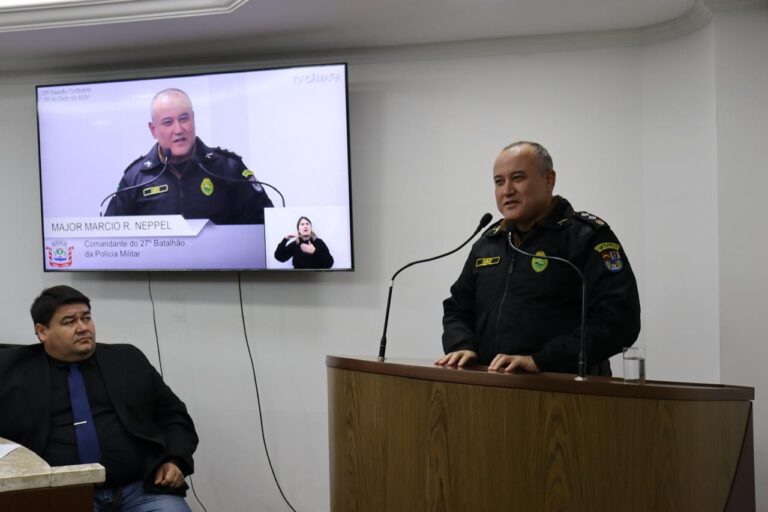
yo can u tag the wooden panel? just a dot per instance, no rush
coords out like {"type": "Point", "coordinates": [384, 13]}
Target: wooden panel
{"type": "Point", "coordinates": [77, 498]}
{"type": "Point", "coordinates": [410, 444]}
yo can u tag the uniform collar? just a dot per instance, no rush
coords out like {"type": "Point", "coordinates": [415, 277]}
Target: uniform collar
{"type": "Point", "coordinates": [557, 216]}
{"type": "Point", "coordinates": [204, 153]}
{"type": "Point", "coordinates": [152, 159]}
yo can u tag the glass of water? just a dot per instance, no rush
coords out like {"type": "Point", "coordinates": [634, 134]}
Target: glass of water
{"type": "Point", "coordinates": [634, 364]}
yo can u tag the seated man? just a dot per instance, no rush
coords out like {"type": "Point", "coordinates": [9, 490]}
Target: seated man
{"type": "Point", "coordinates": [73, 401]}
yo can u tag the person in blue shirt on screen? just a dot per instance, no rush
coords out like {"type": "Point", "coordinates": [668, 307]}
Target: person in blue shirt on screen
{"type": "Point", "coordinates": [182, 176]}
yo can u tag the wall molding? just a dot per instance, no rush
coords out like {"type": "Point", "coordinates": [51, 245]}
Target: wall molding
{"type": "Point", "coordinates": [99, 12]}
{"type": "Point", "coordinates": [241, 53]}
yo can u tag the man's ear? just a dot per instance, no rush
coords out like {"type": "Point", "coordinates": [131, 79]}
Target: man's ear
{"type": "Point", "coordinates": [42, 332]}
{"type": "Point", "coordinates": [550, 177]}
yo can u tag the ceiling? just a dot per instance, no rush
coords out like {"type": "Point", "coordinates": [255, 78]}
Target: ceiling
{"type": "Point", "coordinates": [108, 33]}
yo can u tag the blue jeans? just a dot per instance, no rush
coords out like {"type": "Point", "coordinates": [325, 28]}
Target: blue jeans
{"type": "Point", "coordinates": [132, 498]}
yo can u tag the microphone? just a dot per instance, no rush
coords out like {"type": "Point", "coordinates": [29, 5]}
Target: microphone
{"type": "Point", "coordinates": [582, 365]}
{"type": "Point", "coordinates": [484, 221]}
{"type": "Point", "coordinates": [250, 178]}
{"type": "Point", "coordinates": [166, 156]}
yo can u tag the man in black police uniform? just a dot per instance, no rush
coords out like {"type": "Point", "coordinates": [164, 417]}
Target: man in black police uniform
{"type": "Point", "coordinates": [199, 183]}
{"type": "Point", "coordinates": [132, 423]}
{"type": "Point", "coordinates": [514, 312]}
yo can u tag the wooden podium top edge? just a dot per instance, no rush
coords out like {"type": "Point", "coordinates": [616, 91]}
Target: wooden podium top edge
{"type": "Point", "coordinates": [555, 382]}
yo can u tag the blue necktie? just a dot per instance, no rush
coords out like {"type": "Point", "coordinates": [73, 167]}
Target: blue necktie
{"type": "Point", "coordinates": [85, 429]}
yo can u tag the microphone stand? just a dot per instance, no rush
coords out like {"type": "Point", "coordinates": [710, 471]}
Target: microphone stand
{"type": "Point", "coordinates": [582, 365]}
{"type": "Point", "coordinates": [383, 345]}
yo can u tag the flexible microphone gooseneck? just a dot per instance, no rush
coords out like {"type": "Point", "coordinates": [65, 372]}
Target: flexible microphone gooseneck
{"type": "Point", "coordinates": [166, 156]}
{"type": "Point", "coordinates": [249, 180]}
{"type": "Point", "coordinates": [582, 366]}
{"type": "Point", "coordinates": [383, 345]}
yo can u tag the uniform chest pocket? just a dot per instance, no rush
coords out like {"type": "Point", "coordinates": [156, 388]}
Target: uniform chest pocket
{"type": "Point", "coordinates": [490, 277]}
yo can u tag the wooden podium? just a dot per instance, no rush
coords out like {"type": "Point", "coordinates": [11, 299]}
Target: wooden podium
{"type": "Point", "coordinates": [408, 436]}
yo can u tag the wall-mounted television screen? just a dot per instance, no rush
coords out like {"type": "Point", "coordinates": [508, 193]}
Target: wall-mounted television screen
{"type": "Point", "coordinates": [244, 170]}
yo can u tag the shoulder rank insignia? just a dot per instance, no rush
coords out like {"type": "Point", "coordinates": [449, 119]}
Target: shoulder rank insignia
{"type": "Point", "coordinates": [487, 262]}
{"type": "Point", "coordinates": [593, 220]}
{"type": "Point", "coordinates": [495, 229]}
{"type": "Point", "coordinates": [609, 251]}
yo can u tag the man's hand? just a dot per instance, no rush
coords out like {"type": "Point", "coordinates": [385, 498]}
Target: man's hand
{"type": "Point", "coordinates": [169, 475]}
{"type": "Point", "coordinates": [308, 248]}
{"type": "Point", "coordinates": [512, 363]}
{"type": "Point", "coordinates": [460, 358]}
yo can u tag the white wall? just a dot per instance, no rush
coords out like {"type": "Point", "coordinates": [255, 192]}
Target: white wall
{"type": "Point", "coordinates": [633, 135]}
{"type": "Point", "coordinates": [679, 153]}
{"type": "Point", "coordinates": [742, 111]}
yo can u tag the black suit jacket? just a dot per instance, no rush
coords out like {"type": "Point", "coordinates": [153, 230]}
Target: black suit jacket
{"type": "Point", "coordinates": [146, 406]}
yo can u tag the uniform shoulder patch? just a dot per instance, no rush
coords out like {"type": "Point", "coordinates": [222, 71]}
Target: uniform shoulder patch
{"type": "Point", "coordinates": [610, 252]}
{"type": "Point", "coordinates": [592, 220]}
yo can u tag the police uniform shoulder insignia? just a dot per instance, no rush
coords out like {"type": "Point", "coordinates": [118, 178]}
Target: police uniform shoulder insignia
{"type": "Point", "coordinates": [592, 220]}
{"type": "Point", "coordinates": [611, 254]}
{"type": "Point", "coordinates": [495, 228]}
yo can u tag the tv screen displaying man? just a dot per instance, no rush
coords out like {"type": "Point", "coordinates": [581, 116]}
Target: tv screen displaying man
{"type": "Point", "coordinates": [181, 175]}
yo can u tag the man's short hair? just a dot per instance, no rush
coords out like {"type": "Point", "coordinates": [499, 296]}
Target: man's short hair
{"type": "Point", "coordinates": [169, 91]}
{"type": "Point", "coordinates": [545, 160]}
{"type": "Point", "coordinates": [46, 304]}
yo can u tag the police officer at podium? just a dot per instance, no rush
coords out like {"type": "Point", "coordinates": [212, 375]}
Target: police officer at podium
{"type": "Point", "coordinates": [520, 313]}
